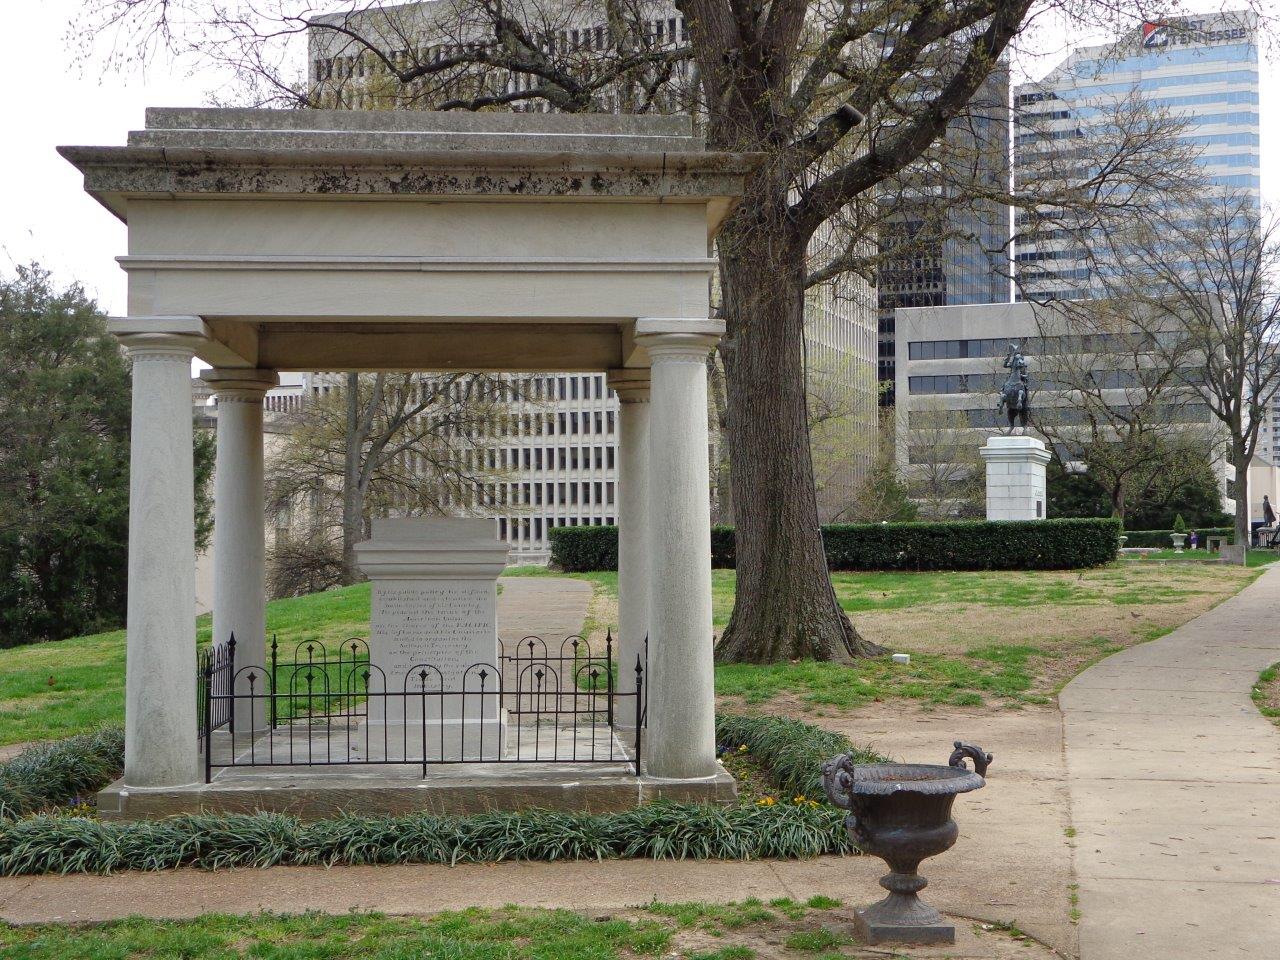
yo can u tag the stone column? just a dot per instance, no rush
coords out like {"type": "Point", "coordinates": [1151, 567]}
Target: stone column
{"type": "Point", "coordinates": [680, 740]}
{"type": "Point", "coordinates": [160, 651]}
{"type": "Point", "coordinates": [1016, 487]}
{"type": "Point", "coordinates": [632, 499]}
{"type": "Point", "coordinates": [239, 548]}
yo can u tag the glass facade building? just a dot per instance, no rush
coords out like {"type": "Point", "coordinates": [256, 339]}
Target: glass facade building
{"type": "Point", "coordinates": [952, 248]}
{"type": "Point", "coordinates": [1202, 70]}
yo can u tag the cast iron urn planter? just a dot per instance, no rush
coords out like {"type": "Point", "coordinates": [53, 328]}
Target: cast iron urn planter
{"type": "Point", "coordinates": [901, 813]}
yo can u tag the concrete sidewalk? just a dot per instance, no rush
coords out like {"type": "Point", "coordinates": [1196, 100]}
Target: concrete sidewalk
{"type": "Point", "coordinates": [551, 608]}
{"type": "Point", "coordinates": [1175, 790]}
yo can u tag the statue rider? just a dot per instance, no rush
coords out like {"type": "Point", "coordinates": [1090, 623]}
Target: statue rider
{"type": "Point", "coordinates": [1015, 393]}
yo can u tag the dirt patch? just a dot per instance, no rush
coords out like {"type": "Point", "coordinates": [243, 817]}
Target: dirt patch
{"type": "Point", "coordinates": [602, 614]}
{"type": "Point", "coordinates": [830, 934]}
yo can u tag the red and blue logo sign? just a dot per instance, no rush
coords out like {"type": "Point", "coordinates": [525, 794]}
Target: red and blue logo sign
{"type": "Point", "coordinates": [1155, 35]}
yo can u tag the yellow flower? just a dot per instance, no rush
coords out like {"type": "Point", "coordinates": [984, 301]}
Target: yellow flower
{"type": "Point", "coordinates": [799, 799]}
{"type": "Point", "coordinates": [766, 802]}
{"type": "Point", "coordinates": [742, 749]}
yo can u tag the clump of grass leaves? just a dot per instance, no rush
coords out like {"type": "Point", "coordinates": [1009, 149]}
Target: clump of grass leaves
{"type": "Point", "coordinates": [57, 843]}
{"type": "Point", "coordinates": [791, 750]}
{"type": "Point", "coordinates": [51, 774]}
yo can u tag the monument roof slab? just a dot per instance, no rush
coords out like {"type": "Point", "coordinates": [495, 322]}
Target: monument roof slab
{"type": "Point", "coordinates": [402, 154]}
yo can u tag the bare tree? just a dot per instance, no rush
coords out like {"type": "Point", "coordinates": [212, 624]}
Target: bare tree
{"type": "Point", "coordinates": [841, 97]}
{"type": "Point", "coordinates": [1117, 400]}
{"type": "Point", "coordinates": [1205, 275]}
{"type": "Point", "coordinates": [842, 429]}
{"type": "Point", "coordinates": [388, 443]}
{"type": "Point", "coordinates": [944, 470]}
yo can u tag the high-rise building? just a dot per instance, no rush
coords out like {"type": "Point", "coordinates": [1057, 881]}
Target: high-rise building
{"type": "Point", "coordinates": [938, 248]}
{"type": "Point", "coordinates": [840, 326]}
{"type": "Point", "coordinates": [1203, 70]}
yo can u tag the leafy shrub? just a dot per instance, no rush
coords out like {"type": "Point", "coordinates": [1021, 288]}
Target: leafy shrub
{"type": "Point", "coordinates": [50, 774]}
{"type": "Point", "coordinates": [791, 751]}
{"type": "Point", "coordinates": [579, 549]}
{"type": "Point", "coordinates": [1059, 544]}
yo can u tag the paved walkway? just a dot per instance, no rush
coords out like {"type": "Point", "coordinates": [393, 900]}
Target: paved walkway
{"type": "Point", "coordinates": [1175, 790]}
{"type": "Point", "coordinates": [548, 607]}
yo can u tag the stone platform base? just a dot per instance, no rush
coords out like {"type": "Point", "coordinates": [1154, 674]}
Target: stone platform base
{"type": "Point", "coordinates": [316, 793]}
{"type": "Point", "coordinates": [874, 931]}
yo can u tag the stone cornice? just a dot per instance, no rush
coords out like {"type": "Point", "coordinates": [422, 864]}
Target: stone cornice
{"type": "Point", "coordinates": [113, 174]}
{"type": "Point", "coordinates": [421, 264]}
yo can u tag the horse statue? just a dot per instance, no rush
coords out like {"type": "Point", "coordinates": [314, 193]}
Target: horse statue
{"type": "Point", "coordinates": [1015, 394]}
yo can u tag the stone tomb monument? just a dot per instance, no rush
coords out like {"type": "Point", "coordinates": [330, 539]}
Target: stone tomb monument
{"type": "Point", "coordinates": [434, 611]}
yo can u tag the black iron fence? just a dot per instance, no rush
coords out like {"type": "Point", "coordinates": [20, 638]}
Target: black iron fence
{"type": "Point", "coordinates": [325, 707]}
{"type": "Point", "coordinates": [215, 666]}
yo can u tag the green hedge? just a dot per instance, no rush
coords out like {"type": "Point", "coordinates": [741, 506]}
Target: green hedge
{"type": "Point", "coordinates": [1060, 544]}
{"type": "Point", "coordinates": [791, 751]}
{"type": "Point", "coordinates": [582, 549]}
{"type": "Point", "coordinates": [1160, 538]}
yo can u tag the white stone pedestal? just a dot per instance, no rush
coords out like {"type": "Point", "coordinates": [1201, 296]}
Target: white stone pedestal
{"type": "Point", "coordinates": [1015, 478]}
{"type": "Point", "coordinates": [433, 627]}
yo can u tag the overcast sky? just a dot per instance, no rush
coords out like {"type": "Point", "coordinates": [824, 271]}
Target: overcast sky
{"type": "Point", "coordinates": [46, 216]}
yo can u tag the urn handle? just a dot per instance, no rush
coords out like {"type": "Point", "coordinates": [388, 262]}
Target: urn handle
{"type": "Point", "coordinates": [837, 780]}
{"type": "Point", "coordinates": [981, 759]}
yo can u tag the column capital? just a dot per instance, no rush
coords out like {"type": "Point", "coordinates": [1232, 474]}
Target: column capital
{"type": "Point", "coordinates": [631, 384]}
{"type": "Point", "coordinates": [159, 346]}
{"type": "Point", "coordinates": [678, 339]}
{"type": "Point", "coordinates": [160, 337]}
{"type": "Point", "coordinates": [230, 383]}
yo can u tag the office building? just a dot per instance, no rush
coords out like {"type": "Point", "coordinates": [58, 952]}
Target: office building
{"type": "Point", "coordinates": [950, 370]}
{"type": "Point", "coordinates": [937, 247]}
{"type": "Point", "coordinates": [1203, 70]}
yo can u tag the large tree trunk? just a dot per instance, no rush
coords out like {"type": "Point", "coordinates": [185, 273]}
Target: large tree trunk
{"type": "Point", "coordinates": [785, 607]}
{"type": "Point", "coordinates": [1241, 465]}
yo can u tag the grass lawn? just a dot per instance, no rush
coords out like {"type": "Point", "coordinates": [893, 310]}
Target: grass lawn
{"type": "Point", "coordinates": [1266, 693]}
{"type": "Point", "coordinates": [975, 638]}
{"type": "Point", "coordinates": [1254, 558]}
{"type": "Point", "coordinates": [783, 929]}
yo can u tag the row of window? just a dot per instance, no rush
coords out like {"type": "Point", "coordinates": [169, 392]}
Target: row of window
{"type": "Point", "coordinates": [474, 459]}
{"type": "Point", "coordinates": [558, 458]}
{"type": "Point", "coordinates": [593, 39]}
{"type": "Point", "coordinates": [1156, 59]}
{"type": "Point", "coordinates": [534, 529]}
{"type": "Point", "coordinates": [991, 382]}
{"type": "Point", "coordinates": [932, 420]}
{"type": "Point", "coordinates": [1041, 346]}
{"type": "Point", "coordinates": [589, 493]}
{"type": "Point", "coordinates": [562, 424]}
{"type": "Point", "coordinates": [1148, 84]}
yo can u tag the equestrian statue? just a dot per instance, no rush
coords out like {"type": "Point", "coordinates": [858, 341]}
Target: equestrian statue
{"type": "Point", "coordinates": [1015, 394]}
